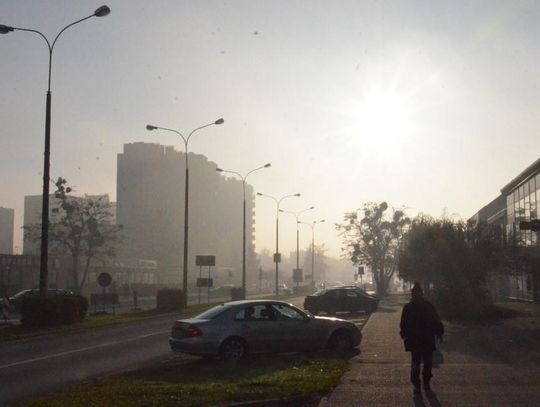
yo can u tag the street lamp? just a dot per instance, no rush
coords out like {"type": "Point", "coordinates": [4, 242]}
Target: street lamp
{"type": "Point", "coordinates": [244, 221]}
{"type": "Point", "coordinates": [277, 256]}
{"type": "Point", "coordinates": [297, 216]}
{"type": "Point", "coordinates": [150, 127]}
{"type": "Point", "coordinates": [312, 225]}
{"type": "Point", "coordinates": [43, 267]}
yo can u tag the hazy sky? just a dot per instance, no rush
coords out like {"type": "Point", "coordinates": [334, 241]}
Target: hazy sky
{"type": "Point", "coordinates": [428, 105]}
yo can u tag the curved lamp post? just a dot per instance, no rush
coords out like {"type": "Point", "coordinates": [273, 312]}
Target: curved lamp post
{"type": "Point", "coordinates": [150, 127]}
{"type": "Point", "coordinates": [243, 178]}
{"type": "Point", "coordinates": [43, 267]}
{"type": "Point", "coordinates": [297, 216]}
{"type": "Point", "coordinates": [312, 225]}
{"type": "Point", "coordinates": [277, 256]}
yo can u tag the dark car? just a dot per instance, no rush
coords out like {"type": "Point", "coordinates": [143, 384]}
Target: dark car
{"type": "Point", "coordinates": [237, 328]}
{"type": "Point", "coordinates": [16, 300]}
{"type": "Point", "coordinates": [348, 298]}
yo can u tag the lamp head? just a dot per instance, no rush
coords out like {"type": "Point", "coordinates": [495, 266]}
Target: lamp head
{"type": "Point", "coordinates": [258, 193]}
{"type": "Point", "coordinates": [219, 121]}
{"type": "Point", "coordinates": [219, 169]}
{"type": "Point", "coordinates": [267, 165]}
{"type": "Point", "coordinates": [312, 207]}
{"type": "Point", "coordinates": [149, 127]}
{"type": "Point", "coordinates": [102, 11]}
{"type": "Point", "coordinates": [298, 194]}
{"type": "Point", "coordinates": [4, 29]}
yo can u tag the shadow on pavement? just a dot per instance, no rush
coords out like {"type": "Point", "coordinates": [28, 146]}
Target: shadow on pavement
{"type": "Point", "coordinates": [516, 343]}
{"type": "Point", "coordinates": [431, 397]}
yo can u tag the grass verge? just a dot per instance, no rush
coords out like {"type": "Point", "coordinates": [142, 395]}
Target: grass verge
{"type": "Point", "coordinates": [199, 382]}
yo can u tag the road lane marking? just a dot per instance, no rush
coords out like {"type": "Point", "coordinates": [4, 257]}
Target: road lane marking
{"type": "Point", "coordinates": [69, 352]}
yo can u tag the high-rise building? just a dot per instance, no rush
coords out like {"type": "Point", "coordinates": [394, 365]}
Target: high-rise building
{"type": "Point", "coordinates": [6, 230]}
{"type": "Point", "coordinates": [150, 208]}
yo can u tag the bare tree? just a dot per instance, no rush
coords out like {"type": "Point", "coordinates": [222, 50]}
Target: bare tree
{"type": "Point", "coordinates": [371, 236]}
{"type": "Point", "coordinates": [82, 228]}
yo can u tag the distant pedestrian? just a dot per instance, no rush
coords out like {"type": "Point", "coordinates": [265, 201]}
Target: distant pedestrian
{"type": "Point", "coordinates": [420, 324]}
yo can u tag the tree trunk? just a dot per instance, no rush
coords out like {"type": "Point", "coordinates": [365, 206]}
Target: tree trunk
{"type": "Point", "coordinates": [75, 270]}
{"type": "Point", "coordinates": [86, 267]}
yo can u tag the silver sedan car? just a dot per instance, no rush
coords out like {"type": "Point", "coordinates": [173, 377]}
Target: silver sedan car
{"type": "Point", "coordinates": [234, 329]}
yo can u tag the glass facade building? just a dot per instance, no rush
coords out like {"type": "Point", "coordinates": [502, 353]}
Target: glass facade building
{"type": "Point", "coordinates": [522, 204]}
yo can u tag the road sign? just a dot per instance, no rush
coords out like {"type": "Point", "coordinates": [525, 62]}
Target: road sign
{"type": "Point", "coordinates": [205, 282]}
{"type": "Point", "coordinates": [277, 257]}
{"type": "Point", "coordinates": [361, 270]}
{"type": "Point", "coordinates": [104, 279]}
{"type": "Point", "coordinates": [205, 260]}
{"type": "Point", "coordinates": [297, 276]}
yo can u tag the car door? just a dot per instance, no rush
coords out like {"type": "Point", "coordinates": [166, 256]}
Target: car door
{"type": "Point", "coordinates": [291, 334]}
{"type": "Point", "coordinates": [341, 301]}
{"type": "Point", "coordinates": [354, 300]}
{"type": "Point", "coordinates": [254, 323]}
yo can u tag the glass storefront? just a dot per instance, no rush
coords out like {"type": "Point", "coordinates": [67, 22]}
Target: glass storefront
{"type": "Point", "coordinates": [521, 205]}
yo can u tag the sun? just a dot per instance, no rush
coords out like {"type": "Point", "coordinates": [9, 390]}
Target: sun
{"type": "Point", "coordinates": [381, 119]}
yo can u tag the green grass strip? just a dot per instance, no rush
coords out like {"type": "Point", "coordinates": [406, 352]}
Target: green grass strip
{"type": "Point", "coordinates": [198, 382]}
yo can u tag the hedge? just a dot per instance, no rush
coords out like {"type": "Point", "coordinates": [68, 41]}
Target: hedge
{"type": "Point", "coordinates": [38, 312]}
{"type": "Point", "coordinates": [169, 299]}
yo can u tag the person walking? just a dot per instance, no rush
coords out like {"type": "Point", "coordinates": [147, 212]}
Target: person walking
{"type": "Point", "coordinates": [420, 325]}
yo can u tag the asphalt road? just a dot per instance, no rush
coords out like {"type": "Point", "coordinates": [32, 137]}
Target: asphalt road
{"type": "Point", "coordinates": [32, 367]}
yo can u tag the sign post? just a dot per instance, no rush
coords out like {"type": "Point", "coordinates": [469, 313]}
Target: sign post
{"type": "Point", "coordinates": [205, 282]}
{"type": "Point", "coordinates": [104, 280]}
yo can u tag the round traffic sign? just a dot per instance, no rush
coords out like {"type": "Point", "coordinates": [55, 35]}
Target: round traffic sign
{"type": "Point", "coordinates": [104, 279]}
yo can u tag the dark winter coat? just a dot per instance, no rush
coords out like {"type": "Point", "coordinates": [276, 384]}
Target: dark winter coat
{"type": "Point", "coordinates": [420, 324]}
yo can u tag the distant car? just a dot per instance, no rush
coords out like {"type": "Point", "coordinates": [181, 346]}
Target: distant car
{"type": "Point", "coordinates": [16, 300]}
{"type": "Point", "coordinates": [234, 329]}
{"type": "Point", "coordinates": [346, 298]}
{"type": "Point", "coordinates": [224, 290]}
{"type": "Point", "coordinates": [284, 289]}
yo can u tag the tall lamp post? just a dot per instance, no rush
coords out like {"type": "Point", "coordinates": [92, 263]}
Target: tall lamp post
{"type": "Point", "coordinates": [150, 127]}
{"type": "Point", "coordinates": [312, 225]}
{"type": "Point", "coordinates": [297, 216]}
{"type": "Point", "coordinates": [277, 256]}
{"type": "Point", "coordinates": [43, 266]}
{"type": "Point", "coordinates": [243, 178]}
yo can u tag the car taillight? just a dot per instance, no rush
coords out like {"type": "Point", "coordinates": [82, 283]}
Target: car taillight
{"type": "Point", "coordinates": [193, 332]}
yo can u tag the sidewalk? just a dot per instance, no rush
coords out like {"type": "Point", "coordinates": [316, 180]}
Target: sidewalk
{"type": "Point", "coordinates": [379, 375]}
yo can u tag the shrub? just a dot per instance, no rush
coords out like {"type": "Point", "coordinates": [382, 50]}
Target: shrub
{"type": "Point", "coordinates": [169, 299]}
{"type": "Point", "coordinates": [38, 312]}
{"type": "Point", "coordinates": [73, 308]}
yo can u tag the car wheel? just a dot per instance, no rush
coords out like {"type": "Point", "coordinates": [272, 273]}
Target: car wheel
{"type": "Point", "coordinates": [232, 349]}
{"type": "Point", "coordinates": [341, 341]}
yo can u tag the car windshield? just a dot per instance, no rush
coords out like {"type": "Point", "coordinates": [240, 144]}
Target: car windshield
{"type": "Point", "coordinates": [213, 313]}
{"type": "Point", "coordinates": [320, 292]}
